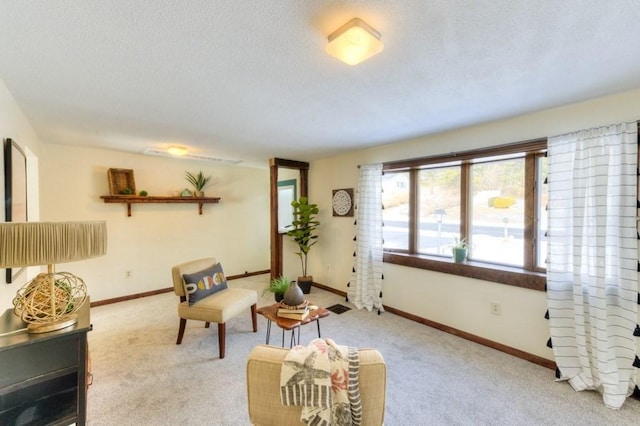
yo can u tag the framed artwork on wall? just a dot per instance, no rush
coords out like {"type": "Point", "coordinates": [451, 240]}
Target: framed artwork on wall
{"type": "Point", "coordinates": [15, 191]}
{"type": "Point", "coordinates": [342, 202]}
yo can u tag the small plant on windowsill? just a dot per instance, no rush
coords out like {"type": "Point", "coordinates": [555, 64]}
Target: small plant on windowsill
{"type": "Point", "coordinates": [459, 249]}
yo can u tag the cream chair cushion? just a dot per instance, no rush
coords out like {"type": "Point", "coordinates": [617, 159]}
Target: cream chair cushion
{"type": "Point", "coordinates": [263, 387]}
{"type": "Point", "coordinates": [220, 306]}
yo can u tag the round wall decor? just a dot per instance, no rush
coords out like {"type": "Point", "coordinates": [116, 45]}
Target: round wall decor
{"type": "Point", "coordinates": [342, 202]}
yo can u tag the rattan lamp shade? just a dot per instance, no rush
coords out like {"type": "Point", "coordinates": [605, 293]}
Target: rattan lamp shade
{"type": "Point", "coordinates": [48, 302]}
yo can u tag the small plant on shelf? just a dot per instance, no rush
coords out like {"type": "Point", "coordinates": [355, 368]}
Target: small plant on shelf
{"type": "Point", "coordinates": [143, 193]}
{"type": "Point", "coordinates": [199, 181]}
{"type": "Point", "coordinates": [126, 191]}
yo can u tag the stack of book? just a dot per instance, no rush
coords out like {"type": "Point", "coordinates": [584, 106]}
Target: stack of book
{"type": "Point", "coordinates": [296, 314]}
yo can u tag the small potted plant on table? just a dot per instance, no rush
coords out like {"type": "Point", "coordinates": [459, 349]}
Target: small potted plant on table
{"type": "Point", "coordinates": [278, 286]}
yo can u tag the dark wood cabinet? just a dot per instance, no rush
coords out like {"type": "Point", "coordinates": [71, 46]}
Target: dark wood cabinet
{"type": "Point", "coordinates": [43, 377]}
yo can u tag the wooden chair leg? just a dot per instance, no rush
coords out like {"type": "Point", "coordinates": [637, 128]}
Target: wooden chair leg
{"type": "Point", "coordinates": [183, 323]}
{"type": "Point", "coordinates": [254, 318]}
{"type": "Point", "coordinates": [221, 338]}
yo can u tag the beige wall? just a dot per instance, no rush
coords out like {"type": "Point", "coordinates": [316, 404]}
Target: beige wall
{"type": "Point", "coordinates": [67, 183]}
{"type": "Point", "coordinates": [156, 236]}
{"type": "Point", "coordinates": [14, 125]}
{"type": "Point", "coordinates": [456, 301]}
{"type": "Point", "coordinates": [236, 230]}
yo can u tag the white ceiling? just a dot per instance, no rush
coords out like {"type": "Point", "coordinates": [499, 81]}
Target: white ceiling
{"type": "Point", "coordinates": [249, 80]}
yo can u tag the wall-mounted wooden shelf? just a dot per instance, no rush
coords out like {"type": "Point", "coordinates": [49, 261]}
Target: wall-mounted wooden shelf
{"type": "Point", "coordinates": [134, 199]}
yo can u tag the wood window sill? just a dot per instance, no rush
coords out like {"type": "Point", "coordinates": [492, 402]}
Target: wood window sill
{"type": "Point", "coordinates": [483, 271]}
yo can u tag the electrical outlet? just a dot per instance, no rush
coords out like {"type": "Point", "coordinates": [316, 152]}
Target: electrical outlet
{"type": "Point", "coordinates": [328, 267]}
{"type": "Point", "coordinates": [495, 308]}
{"type": "Point", "coordinates": [128, 274]}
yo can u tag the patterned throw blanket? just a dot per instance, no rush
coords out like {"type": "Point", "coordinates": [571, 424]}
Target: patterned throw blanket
{"type": "Point", "coordinates": [323, 378]}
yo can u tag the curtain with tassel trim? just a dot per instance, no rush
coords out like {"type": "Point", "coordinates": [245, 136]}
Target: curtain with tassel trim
{"type": "Point", "coordinates": [365, 287]}
{"type": "Point", "coordinates": [592, 280]}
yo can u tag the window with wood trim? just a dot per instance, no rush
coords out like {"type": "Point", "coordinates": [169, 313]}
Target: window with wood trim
{"type": "Point", "coordinates": [494, 198]}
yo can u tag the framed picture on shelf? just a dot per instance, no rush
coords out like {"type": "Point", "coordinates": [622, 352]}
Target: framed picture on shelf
{"type": "Point", "coordinates": [15, 191]}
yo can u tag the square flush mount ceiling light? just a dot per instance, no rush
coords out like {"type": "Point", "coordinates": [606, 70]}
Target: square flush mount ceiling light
{"type": "Point", "coordinates": [354, 42]}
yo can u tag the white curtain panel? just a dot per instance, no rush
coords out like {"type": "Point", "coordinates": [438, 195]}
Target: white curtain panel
{"type": "Point", "coordinates": [365, 287]}
{"type": "Point", "coordinates": [592, 279]}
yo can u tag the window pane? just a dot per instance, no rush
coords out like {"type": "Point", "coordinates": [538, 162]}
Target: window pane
{"type": "Point", "coordinates": [395, 199]}
{"type": "Point", "coordinates": [541, 214]}
{"type": "Point", "coordinates": [497, 212]}
{"type": "Point", "coordinates": [438, 209]}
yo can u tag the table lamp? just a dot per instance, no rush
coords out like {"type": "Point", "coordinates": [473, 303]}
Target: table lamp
{"type": "Point", "coordinates": [50, 300]}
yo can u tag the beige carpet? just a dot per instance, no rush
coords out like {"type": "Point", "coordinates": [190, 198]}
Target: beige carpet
{"type": "Point", "coordinates": [141, 377]}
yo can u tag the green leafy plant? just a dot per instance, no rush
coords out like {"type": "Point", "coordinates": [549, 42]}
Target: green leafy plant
{"type": "Point", "coordinates": [277, 285]}
{"type": "Point", "coordinates": [460, 249]}
{"type": "Point", "coordinates": [198, 181]}
{"type": "Point", "coordinates": [143, 193]}
{"type": "Point", "coordinates": [126, 191]}
{"type": "Point", "coordinates": [303, 227]}
{"type": "Point", "coordinates": [460, 243]}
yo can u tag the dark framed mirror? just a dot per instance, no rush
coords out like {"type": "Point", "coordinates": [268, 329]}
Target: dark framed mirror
{"type": "Point", "coordinates": [15, 191]}
{"type": "Point", "coordinates": [275, 164]}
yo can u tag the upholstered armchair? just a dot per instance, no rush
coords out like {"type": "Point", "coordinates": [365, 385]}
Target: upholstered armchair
{"type": "Point", "coordinates": [263, 387]}
{"type": "Point", "coordinates": [204, 296]}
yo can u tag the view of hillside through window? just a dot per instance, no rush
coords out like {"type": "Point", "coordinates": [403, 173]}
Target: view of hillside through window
{"type": "Point", "coordinates": [497, 212]}
{"type": "Point", "coordinates": [438, 209]}
{"type": "Point", "coordinates": [496, 202]}
{"type": "Point", "coordinates": [395, 199]}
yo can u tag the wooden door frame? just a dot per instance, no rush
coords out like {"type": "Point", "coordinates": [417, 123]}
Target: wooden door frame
{"type": "Point", "coordinates": [276, 237]}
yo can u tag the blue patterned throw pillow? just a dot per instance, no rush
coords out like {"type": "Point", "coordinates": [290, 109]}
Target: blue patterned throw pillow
{"type": "Point", "coordinates": [199, 285]}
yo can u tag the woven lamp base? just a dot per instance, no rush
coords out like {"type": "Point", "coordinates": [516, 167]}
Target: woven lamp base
{"type": "Point", "coordinates": [48, 302]}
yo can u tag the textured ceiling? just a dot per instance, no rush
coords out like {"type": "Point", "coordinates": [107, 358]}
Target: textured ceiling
{"type": "Point", "coordinates": [249, 80]}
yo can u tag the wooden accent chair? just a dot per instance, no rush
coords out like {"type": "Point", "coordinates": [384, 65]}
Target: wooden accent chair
{"type": "Point", "coordinates": [218, 307]}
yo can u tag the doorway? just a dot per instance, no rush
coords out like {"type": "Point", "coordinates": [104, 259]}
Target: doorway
{"type": "Point", "coordinates": [278, 231]}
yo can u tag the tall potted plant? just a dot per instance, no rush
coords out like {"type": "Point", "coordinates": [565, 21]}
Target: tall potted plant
{"type": "Point", "coordinates": [302, 231]}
